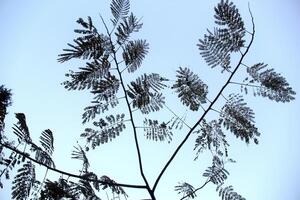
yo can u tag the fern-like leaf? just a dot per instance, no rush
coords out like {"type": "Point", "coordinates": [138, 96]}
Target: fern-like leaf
{"type": "Point", "coordinates": [217, 46]}
{"type": "Point", "coordinates": [216, 173]}
{"type": "Point", "coordinates": [186, 189]}
{"type": "Point", "coordinates": [119, 10]}
{"type": "Point", "coordinates": [110, 127]}
{"type": "Point", "coordinates": [23, 181]}
{"type": "Point", "coordinates": [42, 156]}
{"type": "Point", "coordinates": [79, 154]}
{"type": "Point", "coordinates": [145, 92]}
{"type": "Point", "coordinates": [228, 193]}
{"type": "Point", "coordinates": [157, 131]}
{"type": "Point", "coordinates": [88, 77]}
{"type": "Point", "coordinates": [239, 119]}
{"type": "Point", "coordinates": [134, 53]}
{"type": "Point", "coordinates": [126, 27]}
{"type": "Point", "coordinates": [47, 140]}
{"type": "Point", "coordinates": [109, 183]}
{"type": "Point", "coordinates": [57, 190]}
{"type": "Point", "coordinates": [272, 84]}
{"type": "Point", "coordinates": [191, 90]}
{"type": "Point", "coordinates": [107, 88]}
{"type": "Point", "coordinates": [21, 128]}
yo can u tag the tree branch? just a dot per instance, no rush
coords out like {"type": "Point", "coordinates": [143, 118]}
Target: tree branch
{"type": "Point", "coordinates": [209, 108]}
{"type": "Point", "coordinates": [70, 174]}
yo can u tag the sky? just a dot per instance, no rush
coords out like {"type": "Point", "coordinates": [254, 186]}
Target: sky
{"type": "Point", "coordinates": [34, 32]}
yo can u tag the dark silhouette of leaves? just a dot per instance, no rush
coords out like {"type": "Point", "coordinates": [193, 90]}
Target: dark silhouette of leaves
{"type": "Point", "coordinates": [23, 182]}
{"type": "Point", "coordinates": [186, 190]}
{"type": "Point", "coordinates": [134, 53]}
{"type": "Point", "coordinates": [212, 138]}
{"type": "Point", "coordinates": [126, 27]}
{"type": "Point", "coordinates": [216, 172]}
{"type": "Point", "coordinates": [21, 129]}
{"type": "Point", "coordinates": [239, 119]}
{"type": "Point", "coordinates": [228, 193]}
{"type": "Point", "coordinates": [191, 90]}
{"type": "Point", "coordinates": [79, 154]}
{"type": "Point", "coordinates": [47, 139]}
{"type": "Point", "coordinates": [217, 46]}
{"type": "Point", "coordinates": [144, 92]}
{"type": "Point", "coordinates": [5, 101]}
{"type": "Point", "coordinates": [109, 183]}
{"type": "Point", "coordinates": [157, 131]}
{"type": "Point", "coordinates": [42, 156]}
{"type": "Point", "coordinates": [56, 190]}
{"type": "Point", "coordinates": [109, 128]}
{"type": "Point", "coordinates": [107, 88]}
{"type": "Point", "coordinates": [119, 10]}
{"type": "Point", "coordinates": [273, 85]}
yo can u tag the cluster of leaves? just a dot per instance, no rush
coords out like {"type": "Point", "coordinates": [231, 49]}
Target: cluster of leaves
{"type": "Point", "coordinates": [186, 189]}
{"type": "Point", "coordinates": [217, 46]}
{"type": "Point", "coordinates": [5, 101]}
{"type": "Point", "coordinates": [157, 131]}
{"type": "Point", "coordinates": [216, 173]}
{"type": "Point", "coordinates": [228, 193]}
{"type": "Point", "coordinates": [271, 84]}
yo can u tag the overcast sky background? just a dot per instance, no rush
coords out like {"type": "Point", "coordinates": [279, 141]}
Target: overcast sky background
{"type": "Point", "coordinates": [34, 32]}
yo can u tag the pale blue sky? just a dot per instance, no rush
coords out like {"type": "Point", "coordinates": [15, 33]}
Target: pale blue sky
{"type": "Point", "coordinates": [34, 32]}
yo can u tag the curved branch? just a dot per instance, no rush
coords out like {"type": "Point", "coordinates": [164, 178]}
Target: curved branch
{"type": "Point", "coordinates": [70, 174]}
{"type": "Point", "coordinates": [209, 108]}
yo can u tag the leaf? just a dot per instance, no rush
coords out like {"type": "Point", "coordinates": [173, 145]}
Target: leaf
{"type": "Point", "coordinates": [79, 154]}
{"type": "Point", "coordinates": [216, 173]}
{"type": "Point", "coordinates": [239, 119]}
{"type": "Point", "coordinates": [145, 92]}
{"type": "Point", "coordinates": [217, 46]}
{"type": "Point", "coordinates": [186, 190]}
{"type": "Point", "coordinates": [273, 85]}
{"type": "Point", "coordinates": [46, 139]}
{"type": "Point", "coordinates": [88, 77]}
{"type": "Point", "coordinates": [57, 190]}
{"type": "Point", "coordinates": [109, 128]}
{"type": "Point", "coordinates": [23, 181]}
{"type": "Point", "coordinates": [228, 193]}
{"type": "Point", "coordinates": [109, 183]}
{"type": "Point", "coordinates": [157, 131]}
{"type": "Point", "coordinates": [21, 129]}
{"type": "Point", "coordinates": [134, 53]}
{"type": "Point", "coordinates": [119, 10]}
{"type": "Point", "coordinates": [126, 27]}
{"type": "Point", "coordinates": [191, 90]}
{"type": "Point", "coordinates": [42, 156]}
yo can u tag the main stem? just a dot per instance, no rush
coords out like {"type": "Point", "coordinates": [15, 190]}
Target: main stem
{"type": "Point", "coordinates": [151, 193]}
{"type": "Point", "coordinates": [208, 109]}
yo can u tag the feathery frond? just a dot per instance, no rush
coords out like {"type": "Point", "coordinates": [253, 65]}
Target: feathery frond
{"type": "Point", "coordinates": [119, 10]}
{"type": "Point", "coordinates": [217, 46]}
{"type": "Point", "coordinates": [79, 154]}
{"type": "Point", "coordinates": [47, 139]}
{"type": "Point", "coordinates": [42, 156]}
{"type": "Point", "coordinates": [228, 193]}
{"type": "Point", "coordinates": [134, 53]}
{"type": "Point", "coordinates": [191, 90]}
{"type": "Point", "coordinates": [88, 77]}
{"type": "Point", "coordinates": [157, 131]}
{"type": "Point", "coordinates": [126, 27]}
{"type": "Point", "coordinates": [5, 101]}
{"type": "Point", "coordinates": [273, 85]}
{"type": "Point", "coordinates": [56, 190]}
{"type": "Point", "coordinates": [109, 128]}
{"type": "Point", "coordinates": [217, 173]}
{"type": "Point", "coordinates": [145, 92]}
{"type": "Point", "coordinates": [109, 183]}
{"type": "Point", "coordinates": [212, 138]}
{"type": "Point", "coordinates": [21, 129]}
{"type": "Point", "coordinates": [23, 182]}
{"type": "Point", "coordinates": [186, 189]}
{"type": "Point", "coordinates": [107, 88]}
{"type": "Point", "coordinates": [239, 119]}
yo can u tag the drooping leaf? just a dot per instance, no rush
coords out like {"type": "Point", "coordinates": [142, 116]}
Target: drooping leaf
{"type": "Point", "coordinates": [239, 119]}
{"type": "Point", "coordinates": [216, 173]}
{"type": "Point", "coordinates": [109, 128]}
{"type": "Point", "coordinates": [134, 53]}
{"type": "Point", "coordinates": [228, 193]}
{"type": "Point", "coordinates": [80, 154]}
{"type": "Point", "coordinates": [191, 90]}
{"type": "Point", "coordinates": [157, 131]}
{"type": "Point", "coordinates": [126, 27]}
{"type": "Point", "coordinates": [21, 129]}
{"type": "Point", "coordinates": [186, 189]}
{"type": "Point", "coordinates": [145, 92]}
{"type": "Point", "coordinates": [272, 85]}
{"type": "Point", "coordinates": [47, 140]}
{"type": "Point", "coordinates": [119, 10]}
{"type": "Point", "coordinates": [24, 181]}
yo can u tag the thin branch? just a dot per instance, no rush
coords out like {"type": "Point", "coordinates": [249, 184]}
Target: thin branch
{"type": "Point", "coordinates": [70, 174]}
{"type": "Point", "coordinates": [180, 118]}
{"type": "Point", "coordinates": [209, 108]}
{"type": "Point", "coordinates": [246, 84]}
{"type": "Point", "coordinates": [199, 188]}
